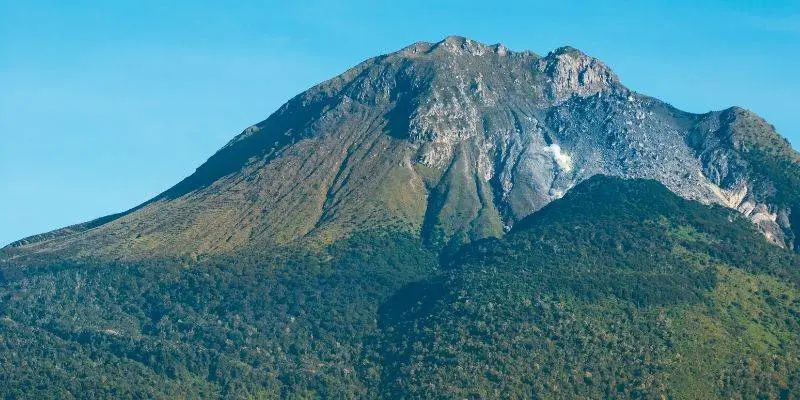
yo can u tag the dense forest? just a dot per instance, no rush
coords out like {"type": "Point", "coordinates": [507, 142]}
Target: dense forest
{"type": "Point", "coordinates": [619, 289]}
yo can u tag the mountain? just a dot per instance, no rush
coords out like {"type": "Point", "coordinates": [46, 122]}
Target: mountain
{"type": "Point", "coordinates": [450, 220]}
{"type": "Point", "coordinates": [619, 289]}
{"type": "Point", "coordinates": [453, 141]}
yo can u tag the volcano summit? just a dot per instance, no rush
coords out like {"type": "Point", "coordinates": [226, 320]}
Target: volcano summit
{"type": "Point", "coordinates": [453, 141]}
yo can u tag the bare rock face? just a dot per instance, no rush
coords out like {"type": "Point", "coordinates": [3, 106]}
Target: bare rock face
{"type": "Point", "coordinates": [454, 141]}
{"type": "Point", "coordinates": [573, 73]}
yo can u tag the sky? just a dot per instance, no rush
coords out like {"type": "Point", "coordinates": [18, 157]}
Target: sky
{"type": "Point", "coordinates": [105, 104]}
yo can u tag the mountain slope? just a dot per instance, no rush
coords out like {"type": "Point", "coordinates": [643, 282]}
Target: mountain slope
{"type": "Point", "coordinates": [620, 289]}
{"type": "Point", "coordinates": [281, 322]}
{"type": "Point", "coordinates": [453, 141]}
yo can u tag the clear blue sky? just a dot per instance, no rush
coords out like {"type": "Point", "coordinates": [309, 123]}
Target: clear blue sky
{"type": "Point", "coordinates": [103, 105]}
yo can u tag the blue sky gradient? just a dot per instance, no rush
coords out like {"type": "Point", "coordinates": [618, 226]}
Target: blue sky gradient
{"type": "Point", "coordinates": [105, 104]}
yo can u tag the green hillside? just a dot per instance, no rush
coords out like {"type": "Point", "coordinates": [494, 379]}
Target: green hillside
{"type": "Point", "coordinates": [283, 322]}
{"type": "Point", "coordinates": [618, 289]}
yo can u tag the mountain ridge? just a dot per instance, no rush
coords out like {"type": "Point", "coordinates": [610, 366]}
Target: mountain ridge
{"type": "Point", "coordinates": [453, 141]}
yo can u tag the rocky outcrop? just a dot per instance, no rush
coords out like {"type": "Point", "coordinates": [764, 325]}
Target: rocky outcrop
{"type": "Point", "coordinates": [755, 169]}
{"type": "Point", "coordinates": [572, 73]}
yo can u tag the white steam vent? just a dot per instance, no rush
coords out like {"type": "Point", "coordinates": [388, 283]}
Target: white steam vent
{"type": "Point", "coordinates": [562, 159]}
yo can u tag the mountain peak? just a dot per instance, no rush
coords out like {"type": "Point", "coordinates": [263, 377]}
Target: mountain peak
{"type": "Point", "coordinates": [460, 44]}
{"type": "Point", "coordinates": [454, 140]}
{"type": "Point", "coordinates": [571, 71]}
{"type": "Point", "coordinates": [569, 50]}
{"type": "Point", "coordinates": [575, 73]}
{"type": "Point", "coordinates": [457, 45]}
{"type": "Point", "coordinates": [456, 40]}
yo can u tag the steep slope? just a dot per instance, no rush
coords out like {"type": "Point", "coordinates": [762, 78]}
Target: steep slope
{"type": "Point", "coordinates": [620, 289]}
{"type": "Point", "coordinates": [741, 151]}
{"type": "Point", "coordinates": [453, 142]}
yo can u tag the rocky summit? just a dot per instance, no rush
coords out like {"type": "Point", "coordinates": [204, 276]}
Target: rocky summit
{"type": "Point", "coordinates": [453, 141]}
